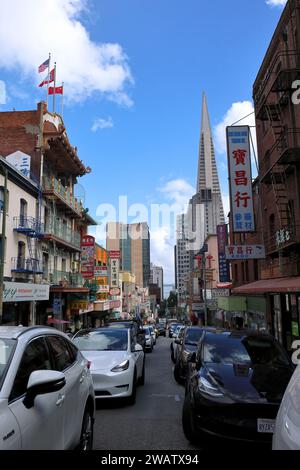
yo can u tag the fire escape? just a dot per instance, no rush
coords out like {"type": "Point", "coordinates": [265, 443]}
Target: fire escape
{"type": "Point", "coordinates": [273, 108]}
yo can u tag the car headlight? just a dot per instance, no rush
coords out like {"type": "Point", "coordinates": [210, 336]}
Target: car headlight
{"type": "Point", "coordinates": [120, 367]}
{"type": "Point", "coordinates": [209, 388]}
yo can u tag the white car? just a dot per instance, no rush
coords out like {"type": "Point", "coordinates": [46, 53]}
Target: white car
{"type": "Point", "coordinates": [153, 334]}
{"type": "Point", "coordinates": [117, 361]}
{"type": "Point", "coordinates": [46, 391]}
{"type": "Point", "coordinates": [287, 426]}
{"type": "Point", "coordinates": [148, 339]}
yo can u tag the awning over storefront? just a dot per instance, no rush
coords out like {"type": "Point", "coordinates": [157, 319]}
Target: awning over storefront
{"type": "Point", "coordinates": [282, 284]}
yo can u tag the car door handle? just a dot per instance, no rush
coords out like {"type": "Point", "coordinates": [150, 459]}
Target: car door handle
{"type": "Point", "coordinates": [81, 378]}
{"type": "Point", "coordinates": [60, 400]}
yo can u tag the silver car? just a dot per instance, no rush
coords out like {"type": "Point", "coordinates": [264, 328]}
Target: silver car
{"type": "Point", "coordinates": [46, 391]}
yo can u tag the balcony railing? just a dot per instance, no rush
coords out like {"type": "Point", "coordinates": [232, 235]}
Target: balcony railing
{"type": "Point", "coordinates": [280, 74]}
{"type": "Point", "coordinates": [25, 265]}
{"type": "Point", "coordinates": [28, 226]}
{"type": "Point", "coordinates": [62, 232]}
{"type": "Point", "coordinates": [282, 238]}
{"type": "Point", "coordinates": [64, 193]}
{"type": "Point", "coordinates": [65, 279]}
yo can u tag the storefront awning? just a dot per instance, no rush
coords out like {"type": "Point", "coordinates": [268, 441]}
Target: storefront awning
{"type": "Point", "coordinates": [282, 284]}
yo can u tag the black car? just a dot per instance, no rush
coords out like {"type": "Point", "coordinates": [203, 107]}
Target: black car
{"type": "Point", "coordinates": [235, 383]}
{"type": "Point", "coordinates": [161, 329]}
{"type": "Point", "coordinates": [136, 327]}
{"type": "Point", "coordinates": [186, 344]}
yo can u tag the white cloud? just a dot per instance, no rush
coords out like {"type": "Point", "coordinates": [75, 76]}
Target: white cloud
{"type": "Point", "coordinates": [276, 2]}
{"type": "Point", "coordinates": [56, 26]}
{"type": "Point", "coordinates": [2, 92]}
{"type": "Point", "coordinates": [162, 252]}
{"type": "Point", "coordinates": [178, 191]}
{"type": "Point", "coordinates": [236, 112]}
{"type": "Point", "coordinates": [101, 123]}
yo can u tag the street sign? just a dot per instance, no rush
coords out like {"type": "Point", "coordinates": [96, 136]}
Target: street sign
{"type": "Point", "coordinates": [234, 252]}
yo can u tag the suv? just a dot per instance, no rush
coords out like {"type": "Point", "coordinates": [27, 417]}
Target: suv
{"type": "Point", "coordinates": [134, 325]}
{"type": "Point", "coordinates": [46, 391]}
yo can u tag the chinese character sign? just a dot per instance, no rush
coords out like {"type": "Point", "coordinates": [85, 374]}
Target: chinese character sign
{"type": "Point", "coordinates": [235, 252]}
{"type": "Point", "coordinates": [224, 274]}
{"type": "Point", "coordinates": [240, 178]}
{"type": "Point", "coordinates": [114, 272]}
{"type": "Point", "coordinates": [87, 256]}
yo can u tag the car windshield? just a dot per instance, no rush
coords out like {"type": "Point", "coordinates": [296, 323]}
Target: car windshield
{"type": "Point", "coordinates": [115, 340]}
{"type": "Point", "coordinates": [192, 336]}
{"type": "Point", "coordinates": [254, 350]}
{"type": "Point", "coordinates": [174, 326]}
{"type": "Point", "coordinates": [6, 351]}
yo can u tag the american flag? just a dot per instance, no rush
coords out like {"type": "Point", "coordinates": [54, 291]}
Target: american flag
{"type": "Point", "coordinates": [46, 81]}
{"type": "Point", "coordinates": [43, 66]}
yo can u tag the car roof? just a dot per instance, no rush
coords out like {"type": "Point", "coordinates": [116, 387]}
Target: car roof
{"type": "Point", "coordinates": [236, 333]}
{"type": "Point", "coordinates": [14, 332]}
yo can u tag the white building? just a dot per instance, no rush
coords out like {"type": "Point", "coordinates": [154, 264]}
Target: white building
{"type": "Point", "coordinates": [22, 266]}
{"type": "Point", "coordinates": [157, 277]}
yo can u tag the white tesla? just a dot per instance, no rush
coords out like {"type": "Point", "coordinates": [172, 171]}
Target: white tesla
{"type": "Point", "coordinates": [117, 361]}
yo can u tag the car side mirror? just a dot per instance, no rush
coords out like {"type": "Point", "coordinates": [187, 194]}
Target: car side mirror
{"type": "Point", "coordinates": [41, 382]}
{"type": "Point", "coordinates": [178, 341]}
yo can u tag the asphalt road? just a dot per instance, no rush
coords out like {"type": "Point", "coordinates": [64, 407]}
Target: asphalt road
{"type": "Point", "coordinates": [154, 422]}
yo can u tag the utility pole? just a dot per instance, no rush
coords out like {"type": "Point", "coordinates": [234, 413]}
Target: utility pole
{"type": "Point", "coordinates": [3, 235]}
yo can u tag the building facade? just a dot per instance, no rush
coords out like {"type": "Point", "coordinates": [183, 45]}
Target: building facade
{"type": "Point", "coordinates": [157, 277]}
{"type": "Point", "coordinates": [133, 242]}
{"type": "Point", "coordinates": [60, 219]}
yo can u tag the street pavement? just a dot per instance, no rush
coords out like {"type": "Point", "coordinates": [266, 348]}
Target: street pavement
{"type": "Point", "coordinates": [154, 422]}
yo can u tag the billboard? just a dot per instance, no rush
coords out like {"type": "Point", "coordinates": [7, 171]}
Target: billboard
{"type": "Point", "coordinates": [224, 273]}
{"type": "Point", "coordinates": [236, 252]}
{"type": "Point", "coordinates": [87, 256]}
{"type": "Point", "coordinates": [240, 178]}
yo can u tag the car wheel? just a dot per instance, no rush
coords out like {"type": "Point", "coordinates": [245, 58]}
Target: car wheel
{"type": "Point", "coordinates": [188, 422]}
{"type": "Point", "coordinates": [87, 430]}
{"type": "Point", "coordinates": [132, 398]}
{"type": "Point", "coordinates": [142, 378]}
{"type": "Point", "coordinates": [177, 376]}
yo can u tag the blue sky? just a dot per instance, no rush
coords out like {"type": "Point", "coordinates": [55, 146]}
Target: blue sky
{"type": "Point", "coordinates": [134, 72]}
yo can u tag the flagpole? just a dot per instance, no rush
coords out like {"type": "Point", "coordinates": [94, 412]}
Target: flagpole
{"type": "Point", "coordinates": [48, 78]}
{"type": "Point", "coordinates": [62, 100]}
{"type": "Point", "coordinates": [54, 87]}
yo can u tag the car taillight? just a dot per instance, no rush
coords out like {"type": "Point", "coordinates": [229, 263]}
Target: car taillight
{"type": "Point", "coordinates": [89, 364]}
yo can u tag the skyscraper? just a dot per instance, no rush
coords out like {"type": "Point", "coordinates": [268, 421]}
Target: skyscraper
{"type": "Point", "coordinates": [206, 207]}
{"type": "Point", "coordinates": [205, 210]}
{"type": "Point", "coordinates": [133, 241]}
{"type": "Point", "coordinates": [182, 260]}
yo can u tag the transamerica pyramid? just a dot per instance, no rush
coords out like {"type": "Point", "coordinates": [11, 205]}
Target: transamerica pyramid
{"type": "Point", "coordinates": [207, 178]}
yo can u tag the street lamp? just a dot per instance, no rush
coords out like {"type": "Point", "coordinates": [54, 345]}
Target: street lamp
{"type": "Point", "coordinates": [2, 251]}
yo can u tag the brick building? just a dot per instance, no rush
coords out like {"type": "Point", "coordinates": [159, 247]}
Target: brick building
{"type": "Point", "coordinates": [277, 190]}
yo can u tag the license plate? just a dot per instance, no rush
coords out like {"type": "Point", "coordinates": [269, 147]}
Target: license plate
{"type": "Point", "coordinates": [266, 425]}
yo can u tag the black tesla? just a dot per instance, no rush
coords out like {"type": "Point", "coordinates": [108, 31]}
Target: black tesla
{"type": "Point", "coordinates": [234, 386]}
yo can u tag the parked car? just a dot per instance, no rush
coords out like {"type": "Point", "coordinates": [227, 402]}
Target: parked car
{"type": "Point", "coordinates": [135, 326]}
{"type": "Point", "coordinates": [46, 391]}
{"type": "Point", "coordinates": [148, 339]}
{"type": "Point", "coordinates": [186, 343]}
{"type": "Point", "coordinates": [117, 361]}
{"type": "Point", "coordinates": [173, 327]}
{"type": "Point", "coordinates": [235, 383]}
{"type": "Point", "coordinates": [178, 333]}
{"type": "Point", "coordinates": [161, 329]}
{"type": "Point", "coordinates": [287, 427]}
{"type": "Point", "coordinates": [153, 334]}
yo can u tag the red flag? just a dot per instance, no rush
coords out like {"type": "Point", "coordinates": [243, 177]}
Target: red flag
{"type": "Point", "coordinates": [59, 90]}
{"type": "Point", "coordinates": [46, 81]}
